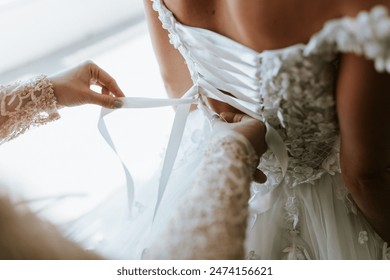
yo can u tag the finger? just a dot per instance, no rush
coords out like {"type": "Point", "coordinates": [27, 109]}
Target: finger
{"type": "Point", "coordinates": [233, 117]}
{"type": "Point", "coordinates": [103, 78]}
{"type": "Point", "coordinates": [104, 100]}
{"type": "Point", "coordinates": [110, 83]}
{"type": "Point", "coordinates": [259, 177]}
{"type": "Point", "coordinates": [103, 89]}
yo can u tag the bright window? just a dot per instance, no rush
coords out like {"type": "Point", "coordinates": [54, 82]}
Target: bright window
{"type": "Point", "coordinates": [68, 157]}
{"type": "Point", "coordinates": [31, 29]}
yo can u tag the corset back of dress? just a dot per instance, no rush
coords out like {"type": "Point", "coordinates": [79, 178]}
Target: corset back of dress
{"type": "Point", "coordinates": [288, 89]}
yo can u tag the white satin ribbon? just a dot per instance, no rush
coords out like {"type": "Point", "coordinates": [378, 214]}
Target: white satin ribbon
{"type": "Point", "coordinates": [259, 202]}
{"type": "Point", "coordinates": [182, 111]}
{"type": "Point", "coordinates": [262, 202]}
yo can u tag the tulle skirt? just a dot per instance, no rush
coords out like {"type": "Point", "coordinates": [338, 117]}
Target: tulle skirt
{"type": "Point", "coordinates": [317, 220]}
{"type": "Point", "coordinates": [111, 231]}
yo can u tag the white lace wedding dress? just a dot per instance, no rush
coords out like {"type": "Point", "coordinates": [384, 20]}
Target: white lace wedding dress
{"type": "Point", "coordinates": [223, 190]}
{"type": "Point", "coordinates": [304, 210]}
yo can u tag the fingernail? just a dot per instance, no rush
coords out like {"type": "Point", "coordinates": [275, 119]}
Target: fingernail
{"type": "Point", "coordinates": [117, 104]}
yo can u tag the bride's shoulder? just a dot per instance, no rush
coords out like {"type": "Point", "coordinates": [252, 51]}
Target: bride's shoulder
{"type": "Point", "coordinates": [362, 29]}
{"type": "Point", "coordinates": [324, 12]}
{"type": "Point", "coordinates": [352, 8]}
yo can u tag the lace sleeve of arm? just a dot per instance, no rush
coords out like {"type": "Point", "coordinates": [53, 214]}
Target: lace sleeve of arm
{"type": "Point", "coordinates": [26, 104]}
{"type": "Point", "coordinates": [210, 223]}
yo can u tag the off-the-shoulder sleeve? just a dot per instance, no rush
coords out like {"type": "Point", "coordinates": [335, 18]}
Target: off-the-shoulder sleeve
{"type": "Point", "coordinates": [26, 104]}
{"type": "Point", "coordinates": [210, 223]}
{"type": "Point", "coordinates": [366, 34]}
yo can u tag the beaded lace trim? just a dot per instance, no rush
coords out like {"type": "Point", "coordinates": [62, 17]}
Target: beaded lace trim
{"type": "Point", "coordinates": [26, 104]}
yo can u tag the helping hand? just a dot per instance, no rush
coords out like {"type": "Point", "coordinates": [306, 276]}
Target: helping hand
{"type": "Point", "coordinates": [253, 130]}
{"type": "Point", "coordinates": [72, 87]}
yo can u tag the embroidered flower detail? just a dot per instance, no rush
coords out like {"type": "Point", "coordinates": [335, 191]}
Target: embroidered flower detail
{"type": "Point", "coordinates": [292, 214]}
{"type": "Point", "coordinates": [295, 252]}
{"type": "Point", "coordinates": [386, 252]}
{"type": "Point", "coordinates": [252, 256]}
{"type": "Point", "coordinates": [299, 104]}
{"type": "Point", "coordinates": [332, 163]}
{"type": "Point", "coordinates": [363, 237]}
{"type": "Point", "coordinates": [139, 208]}
{"type": "Point", "coordinates": [168, 22]}
{"type": "Point", "coordinates": [351, 204]}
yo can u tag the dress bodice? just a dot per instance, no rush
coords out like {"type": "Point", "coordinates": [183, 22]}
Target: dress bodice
{"type": "Point", "coordinates": [292, 88]}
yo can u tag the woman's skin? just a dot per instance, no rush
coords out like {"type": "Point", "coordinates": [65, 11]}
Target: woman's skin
{"type": "Point", "coordinates": [72, 88]}
{"type": "Point", "coordinates": [23, 235]}
{"type": "Point", "coordinates": [263, 25]}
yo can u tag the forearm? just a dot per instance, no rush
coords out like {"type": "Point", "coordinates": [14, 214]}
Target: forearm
{"type": "Point", "coordinates": [210, 223]}
{"type": "Point", "coordinates": [24, 236]}
{"type": "Point", "coordinates": [26, 104]}
{"type": "Point", "coordinates": [174, 72]}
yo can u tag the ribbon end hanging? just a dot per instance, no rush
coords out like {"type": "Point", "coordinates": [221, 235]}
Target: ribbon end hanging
{"type": "Point", "coordinates": [172, 150]}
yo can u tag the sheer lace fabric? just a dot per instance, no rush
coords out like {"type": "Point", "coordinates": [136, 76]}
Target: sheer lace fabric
{"type": "Point", "coordinates": [210, 223]}
{"type": "Point", "coordinates": [26, 104]}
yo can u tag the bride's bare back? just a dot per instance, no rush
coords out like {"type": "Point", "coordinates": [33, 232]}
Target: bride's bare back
{"type": "Point", "coordinates": [260, 25]}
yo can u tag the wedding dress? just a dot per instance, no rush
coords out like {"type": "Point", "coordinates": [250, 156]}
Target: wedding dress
{"type": "Point", "coordinates": [304, 210]}
{"type": "Point", "coordinates": [224, 190]}
{"type": "Point", "coordinates": [23, 235]}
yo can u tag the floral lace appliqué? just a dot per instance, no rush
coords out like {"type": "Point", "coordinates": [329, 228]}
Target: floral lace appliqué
{"type": "Point", "coordinates": [363, 237]}
{"type": "Point", "coordinates": [386, 252]}
{"type": "Point", "coordinates": [299, 103]}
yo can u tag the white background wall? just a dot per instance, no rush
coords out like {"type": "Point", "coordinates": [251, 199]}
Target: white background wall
{"type": "Point", "coordinates": [69, 156]}
{"type": "Point", "coordinates": [30, 29]}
